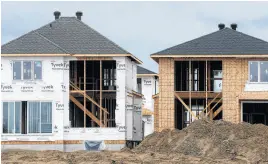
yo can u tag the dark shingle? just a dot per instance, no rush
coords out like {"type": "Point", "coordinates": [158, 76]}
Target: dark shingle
{"type": "Point", "coordinates": [221, 42]}
{"type": "Point", "coordinates": [64, 35]}
{"type": "Point", "coordinates": [141, 70]}
{"type": "Point", "coordinates": [31, 43]}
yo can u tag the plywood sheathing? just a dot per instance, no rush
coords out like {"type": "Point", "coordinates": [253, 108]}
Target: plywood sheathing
{"type": "Point", "coordinates": [156, 113]}
{"type": "Point", "coordinates": [166, 97]}
{"type": "Point", "coordinates": [114, 141]}
{"type": "Point", "coordinates": [235, 76]}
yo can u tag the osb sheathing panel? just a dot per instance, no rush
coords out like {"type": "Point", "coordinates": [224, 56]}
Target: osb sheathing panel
{"type": "Point", "coordinates": [235, 76]}
{"type": "Point", "coordinates": [156, 114]}
{"type": "Point", "coordinates": [165, 111]}
{"type": "Point", "coordinates": [114, 141]}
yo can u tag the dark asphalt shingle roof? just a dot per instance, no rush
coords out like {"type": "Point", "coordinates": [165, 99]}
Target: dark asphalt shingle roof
{"type": "Point", "coordinates": [64, 35]}
{"type": "Point", "coordinates": [222, 42]}
{"type": "Point", "coordinates": [141, 70]}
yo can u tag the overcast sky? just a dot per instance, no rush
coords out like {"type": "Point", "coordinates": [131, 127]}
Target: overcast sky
{"type": "Point", "coordinates": [142, 28]}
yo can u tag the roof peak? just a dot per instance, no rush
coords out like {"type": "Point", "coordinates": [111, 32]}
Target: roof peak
{"type": "Point", "coordinates": [223, 41]}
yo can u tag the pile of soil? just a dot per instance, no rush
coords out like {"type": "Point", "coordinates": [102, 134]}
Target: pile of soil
{"type": "Point", "coordinates": [212, 139]}
{"type": "Point", "coordinates": [202, 142]}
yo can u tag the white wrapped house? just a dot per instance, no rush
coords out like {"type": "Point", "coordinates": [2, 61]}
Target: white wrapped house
{"type": "Point", "coordinates": [66, 87]}
{"type": "Point", "coordinates": [147, 85]}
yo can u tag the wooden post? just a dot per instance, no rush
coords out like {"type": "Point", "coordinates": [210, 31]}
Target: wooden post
{"type": "Point", "coordinates": [209, 77]}
{"type": "Point", "coordinates": [101, 92]}
{"type": "Point", "coordinates": [75, 72]}
{"type": "Point", "coordinates": [190, 88]}
{"type": "Point", "coordinates": [85, 100]}
{"type": "Point", "coordinates": [94, 113]}
{"type": "Point", "coordinates": [206, 85]}
{"type": "Point", "coordinates": [211, 112]}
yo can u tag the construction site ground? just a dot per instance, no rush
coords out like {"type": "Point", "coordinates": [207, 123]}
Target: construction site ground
{"type": "Point", "coordinates": [202, 142]}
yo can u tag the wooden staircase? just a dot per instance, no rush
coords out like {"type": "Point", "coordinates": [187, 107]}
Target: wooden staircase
{"type": "Point", "coordinates": [214, 114]}
{"type": "Point", "coordinates": [88, 113]}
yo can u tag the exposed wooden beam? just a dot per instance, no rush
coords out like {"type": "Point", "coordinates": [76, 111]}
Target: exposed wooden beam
{"type": "Point", "coordinates": [211, 110]}
{"type": "Point", "coordinates": [209, 75]}
{"type": "Point", "coordinates": [190, 88]}
{"type": "Point", "coordinates": [85, 100]}
{"type": "Point", "coordinates": [211, 102]}
{"type": "Point", "coordinates": [198, 94]}
{"type": "Point", "coordinates": [206, 85]}
{"type": "Point", "coordinates": [101, 90]}
{"type": "Point", "coordinates": [88, 97]}
{"type": "Point", "coordinates": [88, 113]}
{"type": "Point", "coordinates": [217, 111]}
{"type": "Point", "coordinates": [178, 97]}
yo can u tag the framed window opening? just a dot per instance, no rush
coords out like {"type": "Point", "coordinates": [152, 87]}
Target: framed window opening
{"type": "Point", "coordinates": [27, 70]}
{"type": "Point", "coordinates": [258, 71]}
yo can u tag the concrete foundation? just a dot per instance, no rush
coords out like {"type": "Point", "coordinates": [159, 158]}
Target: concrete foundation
{"type": "Point", "coordinates": [60, 147]}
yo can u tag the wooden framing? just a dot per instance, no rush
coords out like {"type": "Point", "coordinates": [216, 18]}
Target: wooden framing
{"type": "Point", "coordinates": [155, 96]}
{"type": "Point", "coordinates": [88, 97]}
{"type": "Point", "coordinates": [101, 90]}
{"type": "Point", "coordinates": [211, 110]}
{"type": "Point", "coordinates": [86, 111]}
{"type": "Point", "coordinates": [187, 107]}
{"type": "Point", "coordinates": [198, 94]}
{"type": "Point", "coordinates": [217, 112]}
{"type": "Point", "coordinates": [190, 92]}
{"type": "Point", "coordinates": [85, 100]}
{"type": "Point", "coordinates": [218, 94]}
{"type": "Point", "coordinates": [206, 84]}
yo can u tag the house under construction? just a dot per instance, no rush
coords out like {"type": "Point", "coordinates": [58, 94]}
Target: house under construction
{"type": "Point", "coordinates": [222, 75]}
{"type": "Point", "coordinates": [67, 87]}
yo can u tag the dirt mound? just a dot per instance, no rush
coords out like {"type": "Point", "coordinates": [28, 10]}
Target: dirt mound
{"type": "Point", "coordinates": [212, 139]}
{"type": "Point", "coordinates": [202, 142]}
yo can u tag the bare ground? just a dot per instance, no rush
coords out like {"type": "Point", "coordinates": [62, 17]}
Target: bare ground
{"type": "Point", "coordinates": [202, 142]}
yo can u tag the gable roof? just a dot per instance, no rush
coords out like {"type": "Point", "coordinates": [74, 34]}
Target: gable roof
{"type": "Point", "coordinates": [66, 35]}
{"type": "Point", "coordinates": [222, 42]}
{"type": "Point", "coordinates": [141, 70]}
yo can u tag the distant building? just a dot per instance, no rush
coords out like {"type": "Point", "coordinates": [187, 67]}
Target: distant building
{"type": "Point", "coordinates": [147, 84]}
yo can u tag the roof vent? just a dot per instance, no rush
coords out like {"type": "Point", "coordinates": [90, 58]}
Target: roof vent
{"type": "Point", "coordinates": [221, 26]}
{"type": "Point", "coordinates": [79, 14]}
{"type": "Point", "coordinates": [57, 15]}
{"type": "Point", "coordinates": [233, 26]}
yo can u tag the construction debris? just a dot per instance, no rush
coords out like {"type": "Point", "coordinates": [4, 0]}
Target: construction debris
{"type": "Point", "coordinates": [201, 142]}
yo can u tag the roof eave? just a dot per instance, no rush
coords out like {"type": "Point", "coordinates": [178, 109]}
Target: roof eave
{"type": "Point", "coordinates": [157, 56]}
{"type": "Point", "coordinates": [144, 75]}
{"type": "Point", "coordinates": [74, 55]}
